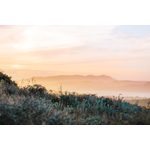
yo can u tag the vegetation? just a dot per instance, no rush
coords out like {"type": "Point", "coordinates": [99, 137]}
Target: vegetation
{"type": "Point", "coordinates": [6, 78]}
{"type": "Point", "coordinates": [34, 105]}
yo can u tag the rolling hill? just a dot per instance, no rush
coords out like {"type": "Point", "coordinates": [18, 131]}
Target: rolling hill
{"type": "Point", "coordinates": [91, 83]}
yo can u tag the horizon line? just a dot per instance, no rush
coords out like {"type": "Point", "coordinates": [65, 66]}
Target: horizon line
{"type": "Point", "coordinates": [84, 76]}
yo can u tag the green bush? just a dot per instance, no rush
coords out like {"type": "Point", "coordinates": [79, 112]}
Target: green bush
{"type": "Point", "coordinates": [11, 89]}
{"type": "Point", "coordinates": [31, 112]}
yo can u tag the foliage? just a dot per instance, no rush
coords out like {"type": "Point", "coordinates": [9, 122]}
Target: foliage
{"type": "Point", "coordinates": [5, 78]}
{"type": "Point", "coordinates": [36, 89]}
{"type": "Point", "coordinates": [35, 105]}
{"type": "Point", "coordinates": [31, 112]}
{"type": "Point", "coordinates": [11, 89]}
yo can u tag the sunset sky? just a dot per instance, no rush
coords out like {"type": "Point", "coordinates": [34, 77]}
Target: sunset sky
{"type": "Point", "coordinates": [122, 52]}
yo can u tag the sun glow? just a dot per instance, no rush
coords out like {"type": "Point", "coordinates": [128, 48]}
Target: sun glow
{"type": "Point", "coordinates": [16, 66]}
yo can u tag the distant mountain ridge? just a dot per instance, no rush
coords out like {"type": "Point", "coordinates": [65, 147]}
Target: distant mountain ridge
{"type": "Point", "coordinates": [101, 78]}
{"type": "Point", "coordinates": [91, 82]}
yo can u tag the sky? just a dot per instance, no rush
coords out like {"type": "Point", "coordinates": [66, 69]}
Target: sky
{"type": "Point", "coordinates": [122, 52]}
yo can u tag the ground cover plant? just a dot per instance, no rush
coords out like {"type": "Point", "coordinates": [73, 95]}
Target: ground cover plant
{"type": "Point", "coordinates": [35, 105]}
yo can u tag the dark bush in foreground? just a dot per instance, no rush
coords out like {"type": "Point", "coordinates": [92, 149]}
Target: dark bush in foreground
{"type": "Point", "coordinates": [36, 89]}
{"type": "Point", "coordinates": [92, 111]}
{"type": "Point", "coordinates": [31, 112]}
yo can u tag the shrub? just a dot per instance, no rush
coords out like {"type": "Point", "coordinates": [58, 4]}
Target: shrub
{"type": "Point", "coordinates": [11, 89]}
{"type": "Point", "coordinates": [23, 91]}
{"type": "Point", "coordinates": [37, 89]}
{"type": "Point", "coordinates": [6, 78]}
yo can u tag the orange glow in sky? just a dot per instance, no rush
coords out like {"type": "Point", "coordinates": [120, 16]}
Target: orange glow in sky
{"type": "Point", "coordinates": [121, 52]}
